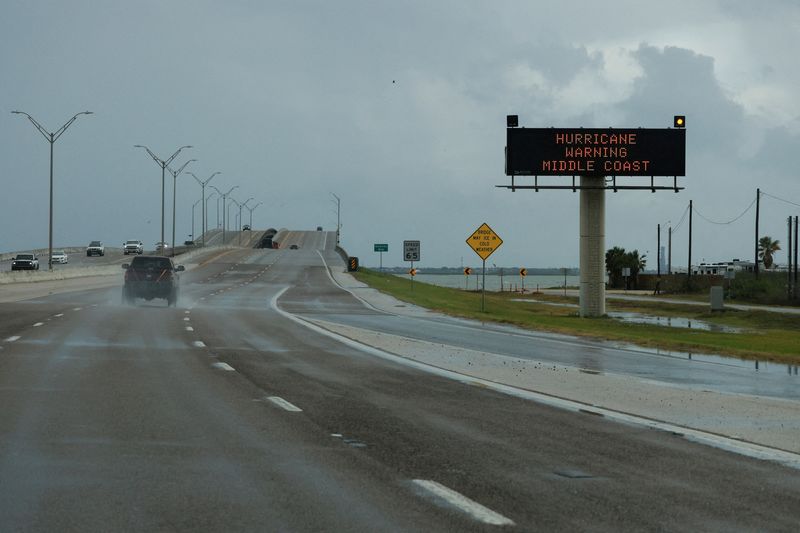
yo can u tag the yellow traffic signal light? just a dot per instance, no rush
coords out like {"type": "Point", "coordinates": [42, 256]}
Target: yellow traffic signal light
{"type": "Point", "coordinates": [679, 121]}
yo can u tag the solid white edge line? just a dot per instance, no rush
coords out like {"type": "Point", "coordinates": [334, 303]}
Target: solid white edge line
{"type": "Point", "coordinates": [223, 366]}
{"type": "Point", "coordinates": [283, 404]}
{"type": "Point", "coordinates": [462, 503]}
{"type": "Point", "coordinates": [13, 338]}
{"type": "Point", "coordinates": [199, 344]}
{"type": "Point", "coordinates": [740, 447]}
{"type": "Point", "coordinates": [357, 297]}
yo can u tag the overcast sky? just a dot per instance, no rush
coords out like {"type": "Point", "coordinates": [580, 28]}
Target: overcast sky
{"type": "Point", "coordinates": [398, 108]}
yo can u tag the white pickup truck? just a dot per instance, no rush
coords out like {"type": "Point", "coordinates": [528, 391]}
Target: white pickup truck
{"type": "Point", "coordinates": [133, 247]}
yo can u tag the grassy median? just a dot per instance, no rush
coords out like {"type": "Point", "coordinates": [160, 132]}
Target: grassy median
{"type": "Point", "coordinates": [763, 335]}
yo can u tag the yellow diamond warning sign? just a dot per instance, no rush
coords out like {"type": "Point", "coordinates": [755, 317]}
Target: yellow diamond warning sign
{"type": "Point", "coordinates": [484, 241]}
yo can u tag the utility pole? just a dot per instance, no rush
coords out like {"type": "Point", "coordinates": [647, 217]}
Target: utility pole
{"type": "Point", "coordinates": [658, 252]}
{"type": "Point", "coordinates": [689, 271]}
{"type": "Point", "coordinates": [795, 257]}
{"type": "Point", "coordinates": [789, 261]}
{"type": "Point", "coordinates": [758, 205]}
{"type": "Point", "coordinates": [669, 251]}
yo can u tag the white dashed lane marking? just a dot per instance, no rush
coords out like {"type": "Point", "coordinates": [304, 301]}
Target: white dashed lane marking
{"type": "Point", "coordinates": [77, 308]}
{"type": "Point", "coordinates": [189, 328]}
{"type": "Point", "coordinates": [59, 315]}
{"type": "Point", "coordinates": [223, 366]}
{"type": "Point", "coordinates": [186, 319]}
{"type": "Point", "coordinates": [12, 338]}
{"type": "Point", "coordinates": [283, 404]}
{"type": "Point", "coordinates": [38, 324]}
{"type": "Point", "coordinates": [462, 503]}
{"type": "Point", "coordinates": [199, 344]}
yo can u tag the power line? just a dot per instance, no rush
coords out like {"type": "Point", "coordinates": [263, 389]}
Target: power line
{"type": "Point", "coordinates": [779, 199]}
{"type": "Point", "coordinates": [729, 221]}
{"type": "Point", "coordinates": [683, 217]}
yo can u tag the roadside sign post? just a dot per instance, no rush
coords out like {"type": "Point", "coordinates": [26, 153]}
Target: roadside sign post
{"type": "Point", "coordinates": [411, 252]}
{"type": "Point", "coordinates": [522, 273]}
{"type": "Point", "coordinates": [626, 272]}
{"type": "Point", "coordinates": [381, 248]}
{"type": "Point", "coordinates": [467, 272]}
{"type": "Point", "coordinates": [484, 241]}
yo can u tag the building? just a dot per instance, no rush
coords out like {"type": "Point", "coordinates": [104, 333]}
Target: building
{"type": "Point", "coordinates": [719, 269]}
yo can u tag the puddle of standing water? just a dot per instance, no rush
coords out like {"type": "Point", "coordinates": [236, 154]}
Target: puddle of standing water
{"type": "Point", "coordinates": [638, 318]}
{"type": "Point", "coordinates": [673, 322]}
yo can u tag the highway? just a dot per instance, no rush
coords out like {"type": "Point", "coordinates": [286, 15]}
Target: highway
{"type": "Point", "coordinates": [230, 413]}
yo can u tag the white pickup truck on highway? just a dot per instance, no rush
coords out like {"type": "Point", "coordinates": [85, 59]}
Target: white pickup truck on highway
{"type": "Point", "coordinates": [133, 247]}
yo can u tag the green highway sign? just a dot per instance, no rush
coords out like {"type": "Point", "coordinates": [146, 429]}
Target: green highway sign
{"type": "Point", "coordinates": [381, 247]}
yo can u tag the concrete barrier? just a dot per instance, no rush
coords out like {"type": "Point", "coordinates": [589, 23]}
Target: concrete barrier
{"type": "Point", "coordinates": [30, 276]}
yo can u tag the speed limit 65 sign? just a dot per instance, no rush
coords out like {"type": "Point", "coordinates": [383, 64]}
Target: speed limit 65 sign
{"type": "Point", "coordinates": [411, 250]}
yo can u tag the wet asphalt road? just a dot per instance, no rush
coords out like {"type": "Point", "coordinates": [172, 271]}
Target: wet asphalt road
{"type": "Point", "coordinates": [121, 418]}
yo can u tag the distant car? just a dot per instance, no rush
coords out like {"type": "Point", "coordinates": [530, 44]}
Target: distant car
{"type": "Point", "coordinates": [294, 247]}
{"type": "Point", "coordinates": [319, 228]}
{"type": "Point", "coordinates": [188, 243]}
{"type": "Point", "coordinates": [95, 248]}
{"type": "Point", "coordinates": [25, 262]}
{"type": "Point", "coordinates": [246, 227]}
{"type": "Point", "coordinates": [161, 246]}
{"type": "Point", "coordinates": [59, 256]}
{"type": "Point", "coordinates": [133, 247]}
{"type": "Point", "coordinates": [149, 277]}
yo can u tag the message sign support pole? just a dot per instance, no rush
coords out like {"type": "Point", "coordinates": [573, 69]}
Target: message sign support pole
{"type": "Point", "coordinates": [381, 254]}
{"type": "Point", "coordinates": [592, 246]}
{"type": "Point", "coordinates": [483, 287]}
{"type": "Point", "coordinates": [412, 276]}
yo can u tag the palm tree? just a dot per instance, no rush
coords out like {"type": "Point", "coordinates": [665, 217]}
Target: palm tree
{"type": "Point", "coordinates": [766, 249]}
{"type": "Point", "coordinates": [615, 259]}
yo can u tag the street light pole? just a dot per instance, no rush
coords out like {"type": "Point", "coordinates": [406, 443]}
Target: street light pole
{"type": "Point", "coordinates": [338, 217]}
{"type": "Point", "coordinates": [163, 164]}
{"type": "Point", "coordinates": [210, 196]}
{"type": "Point", "coordinates": [224, 197]}
{"type": "Point", "coordinates": [51, 137]}
{"type": "Point", "coordinates": [195, 205]}
{"type": "Point", "coordinates": [174, 195]}
{"type": "Point", "coordinates": [203, 186]}
{"type": "Point", "coordinates": [251, 209]}
{"type": "Point", "coordinates": [243, 204]}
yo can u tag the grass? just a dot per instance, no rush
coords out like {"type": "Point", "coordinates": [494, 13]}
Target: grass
{"type": "Point", "coordinates": [765, 335]}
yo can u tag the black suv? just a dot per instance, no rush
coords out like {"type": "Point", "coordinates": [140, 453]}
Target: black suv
{"type": "Point", "coordinates": [150, 276]}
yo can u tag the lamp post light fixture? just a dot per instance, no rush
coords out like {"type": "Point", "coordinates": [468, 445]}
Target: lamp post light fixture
{"type": "Point", "coordinates": [51, 137]}
{"type": "Point", "coordinates": [203, 186]}
{"type": "Point", "coordinates": [174, 195]}
{"type": "Point", "coordinates": [251, 209]}
{"type": "Point", "coordinates": [224, 196]}
{"type": "Point", "coordinates": [163, 164]}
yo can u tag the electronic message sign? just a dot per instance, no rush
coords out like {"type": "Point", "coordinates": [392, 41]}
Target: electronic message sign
{"type": "Point", "coordinates": [595, 152]}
